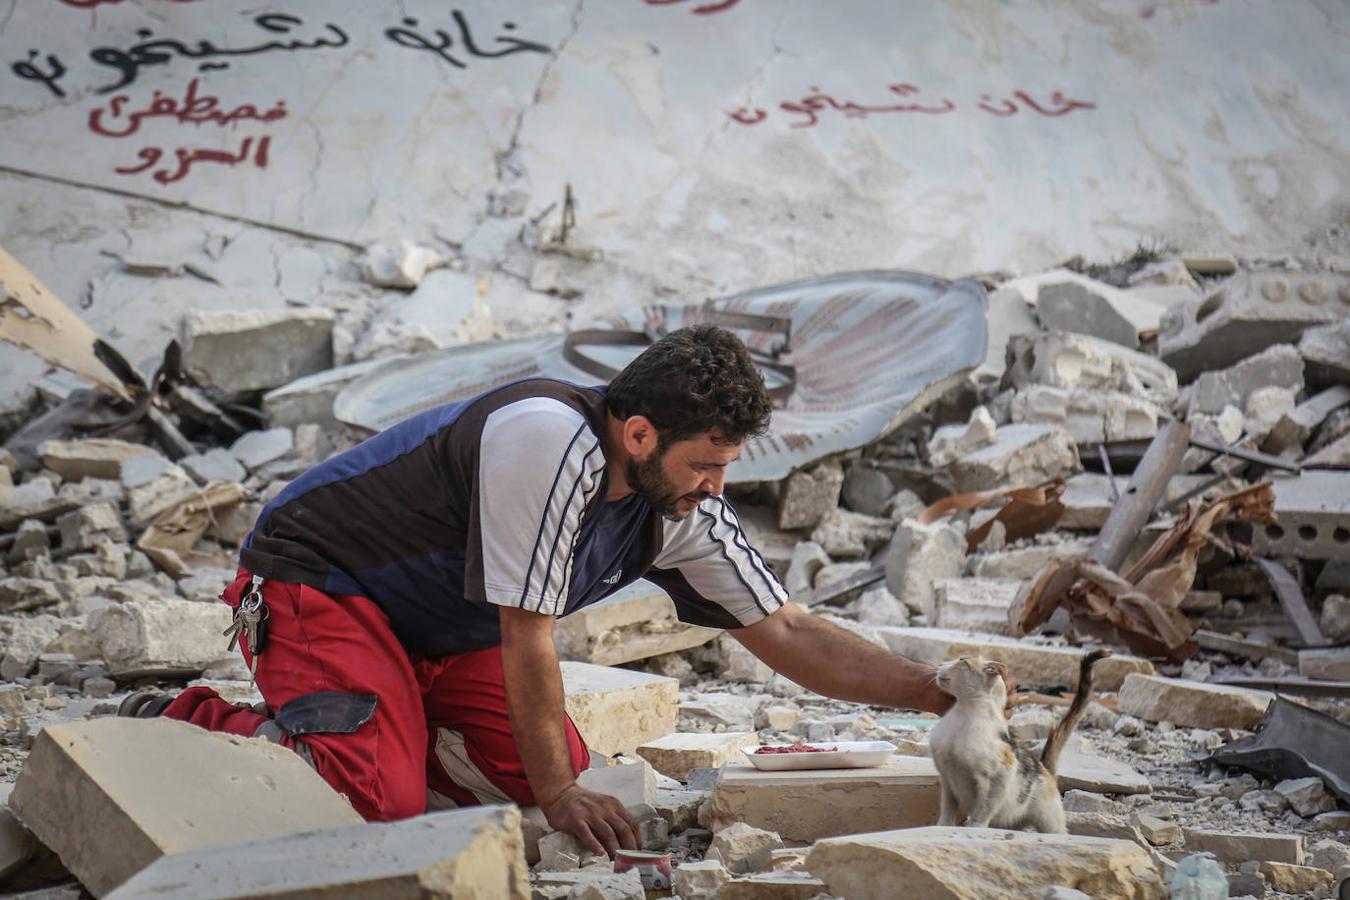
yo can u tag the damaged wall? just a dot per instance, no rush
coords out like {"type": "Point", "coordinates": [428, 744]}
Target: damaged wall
{"type": "Point", "coordinates": [710, 146]}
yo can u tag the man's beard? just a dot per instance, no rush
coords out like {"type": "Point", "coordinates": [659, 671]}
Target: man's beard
{"type": "Point", "coordinates": [648, 480]}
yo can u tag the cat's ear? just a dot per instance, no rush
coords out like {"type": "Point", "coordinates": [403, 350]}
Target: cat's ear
{"type": "Point", "coordinates": [995, 668]}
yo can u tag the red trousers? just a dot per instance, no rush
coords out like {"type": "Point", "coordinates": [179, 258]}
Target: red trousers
{"type": "Point", "coordinates": [440, 734]}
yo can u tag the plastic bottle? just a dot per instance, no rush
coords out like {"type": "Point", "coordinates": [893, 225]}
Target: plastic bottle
{"type": "Point", "coordinates": [1198, 877]}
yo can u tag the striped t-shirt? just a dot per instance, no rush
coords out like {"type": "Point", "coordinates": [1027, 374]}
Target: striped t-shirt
{"type": "Point", "coordinates": [499, 501]}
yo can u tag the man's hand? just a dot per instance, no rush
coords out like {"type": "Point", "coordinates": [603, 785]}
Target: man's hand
{"type": "Point", "coordinates": [599, 821]}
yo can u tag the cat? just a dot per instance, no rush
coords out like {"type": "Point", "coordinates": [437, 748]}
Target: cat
{"type": "Point", "coordinates": [988, 779]}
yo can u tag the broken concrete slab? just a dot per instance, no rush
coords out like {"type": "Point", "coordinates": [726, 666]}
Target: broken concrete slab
{"type": "Point", "coordinates": [1140, 313]}
{"type": "Point", "coordinates": [1328, 664]}
{"type": "Point", "coordinates": [89, 458]}
{"type": "Point", "coordinates": [1276, 366]}
{"type": "Point", "coordinates": [919, 555]}
{"type": "Point", "coordinates": [399, 265]}
{"type": "Point", "coordinates": [94, 793]}
{"type": "Point", "coordinates": [1313, 513]}
{"type": "Point", "coordinates": [1030, 664]}
{"type": "Point", "coordinates": [638, 622]}
{"type": "Point", "coordinates": [1024, 562]}
{"type": "Point", "coordinates": [1072, 306]}
{"type": "Point", "coordinates": [1191, 703]}
{"type": "Point", "coordinates": [1248, 312]}
{"type": "Point", "coordinates": [1239, 847]}
{"type": "Point", "coordinates": [743, 848]}
{"type": "Point", "coordinates": [805, 806]}
{"type": "Point", "coordinates": [1158, 832]}
{"type": "Point", "coordinates": [675, 754]}
{"type": "Point", "coordinates": [738, 665]}
{"type": "Point", "coordinates": [808, 494]}
{"type": "Point", "coordinates": [147, 499]}
{"type": "Point", "coordinates": [866, 489]}
{"type": "Point", "coordinates": [1088, 499]}
{"type": "Point", "coordinates": [1098, 774]}
{"type": "Point", "coordinates": [1326, 354]}
{"type": "Point", "coordinates": [844, 534]}
{"type": "Point", "coordinates": [1103, 825]}
{"type": "Point", "coordinates": [216, 464]}
{"type": "Point", "coordinates": [1091, 416]}
{"type": "Point", "coordinates": [1074, 361]}
{"type": "Point", "coordinates": [595, 882]}
{"type": "Point", "coordinates": [256, 349]}
{"type": "Point", "coordinates": [473, 852]}
{"type": "Point", "coordinates": [160, 637]}
{"type": "Point", "coordinates": [258, 448]}
{"type": "Point", "coordinates": [1009, 316]}
{"type": "Point", "coordinates": [982, 864]}
{"type": "Point", "coordinates": [91, 525]}
{"type": "Point", "coordinates": [974, 604]}
{"type": "Point", "coordinates": [1021, 455]}
{"type": "Point", "coordinates": [34, 499]}
{"type": "Point", "coordinates": [616, 710]}
{"type": "Point", "coordinates": [1289, 879]}
{"type": "Point", "coordinates": [950, 442]}
{"type": "Point", "coordinates": [773, 886]}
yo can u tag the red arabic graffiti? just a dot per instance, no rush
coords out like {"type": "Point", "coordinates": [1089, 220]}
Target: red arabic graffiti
{"type": "Point", "coordinates": [187, 158]}
{"type": "Point", "coordinates": [811, 106]}
{"type": "Point", "coordinates": [90, 4]}
{"type": "Point", "coordinates": [705, 9]}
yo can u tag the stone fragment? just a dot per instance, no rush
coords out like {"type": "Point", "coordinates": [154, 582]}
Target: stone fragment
{"type": "Point", "coordinates": [1098, 774]}
{"type": "Point", "coordinates": [1165, 272]}
{"type": "Point", "coordinates": [631, 780]}
{"type": "Point", "coordinates": [256, 349]}
{"type": "Point", "coordinates": [808, 558]}
{"type": "Point", "coordinates": [30, 540]}
{"type": "Point", "coordinates": [616, 710]}
{"type": "Point", "coordinates": [89, 525]}
{"type": "Point", "coordinates": [675, 754]}
{"type": "Point", "coordinates": [1329, 854]}
{"type": "Point", "coordinates": [1031, 723]}
{"type": "Point", "coordinates": [1021, 456]}
{"type": "Point", "coordinates": [146, 500]}
{"type": "Point", "coordinates": [399, 265]}
{"type": "Point", "coordinates": [878, 606]}
{"type": "Point", "coordinates": [866, 489]}
{"type": "Point", "coordinates": [1086, 802]}
{"type": "Point", "coordinates": [160, 637]}
{"type": "Point", "coordinates": [777, 717]}
{"type": "Point", "coordinates": [1245, 314]}
{"type": "Point", "coordinates": [1072, 361]}
{"type": "Point", "coordinates": [1326, 353]}
{"type": "Point", "coordinates": [808, 494]}
{"type": "Point", "coordinates": [982, 864]}
{"type": "Point", "coordinates": [1246, 884]}
{"type": "Point", "coordinates": [1024, 562]}
{"type": "Point", "coordinates": [1239, 847]}
{"type": "Point", "coordinates": [1191, 703]}
{"type": "Point", "coordinates": [974, 604]}
{"type": "Point", "coordinates": [1335, 620]}
{"type": "Point", "coordinates": [34, 499]}
{"type": "Point", "coordinates": [773, 886]}
{"type": "Point", "coordinates": [950, 442]}
{"type": "Point", "coordinates": [1103, 825]}
{"type": "Point", "coordinates": [743, 848]}
{"type": "Point", "coordinates": [1158, 832]}
{"type": "Point", "coordinates": [1090, 416]}
{"type": "Point", "coordinates": [638, 622]}
{"type": "Point", "coordinates": [85, 793]}
{"type": "Point", "coordinates": [1332, 821]}
{"type": "Point", "coordinates": [851, 535]}
{"type": "Point", "coordinates": [559, 851]}
{"type": "Point", "coordinates": [1009, 316]}
{"type": "Point", "coordinates": [716, 711]}
{"type": "Point", "coordinates": [700, 880]}
{"type": "Point", "coordinates": [447, 308]}
{"type": "Point", "coordinates": [258, 448]}
{"type": "Point", "coordinates": [472, 852]}
{"type": "Point", "coordinates": [17, 594]}
{"type": "Point", "coordinates": [1276, 366]}
{"type": "Point", "coordinates": [25, 639]}
{"type": "Point", "coordinates": [598, 881]}
{"type": "Point", "coordinates": [1137, 310]}
{"type": "Point", "coordinates": [1030, 664]}
{"type": "Point", "coordinates": [1330, 663]}
{"type": "Point", "coordinates": [1072, 306]}
{"type": "Point", "coordinates": [1289, 879]}
{"type": "Point", "coordinates": [216, 464]}
{"type": "Point", "coordinates": [804, 806]}
{"type": "Point", "coordinates": [89, 458]}
{"type": "Point", "coordinates": [920, 554]}
{"type": "Point", "coordinates": [738, 665]}
{"type": "Point", "coordinates": [1308, 796]}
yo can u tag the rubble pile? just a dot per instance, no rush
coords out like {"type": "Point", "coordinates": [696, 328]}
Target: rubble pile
{"type": "Point", "coordinates": [1160, 464]}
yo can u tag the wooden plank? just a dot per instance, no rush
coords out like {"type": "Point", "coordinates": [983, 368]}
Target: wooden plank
{"type": "Point", "coordinates": [1146, 488]}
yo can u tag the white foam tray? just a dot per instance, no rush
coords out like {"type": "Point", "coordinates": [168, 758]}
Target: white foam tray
{"type": "Point", "coordinates": [848, 755]}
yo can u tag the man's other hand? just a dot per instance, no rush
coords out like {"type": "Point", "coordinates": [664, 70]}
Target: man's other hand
{"type": "Point", "coordinates": [599, 821]}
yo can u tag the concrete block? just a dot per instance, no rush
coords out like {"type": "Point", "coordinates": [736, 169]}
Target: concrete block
{"type": "Point", "coordinates": [160, 637]}
{"type": "Point", "coordinates": [808, 494]}
{"type": "Point", "coordinates": [1276, 366]}
{"type": "Point", "coordinates": [1335, 620]}
{"type": "Point", "coordinates": [1072, 306]}
{"type": "Point", "coordinates": [34, 499]}
{"type": "Point", "coordinates": [1158, 832]}
{"type": "Point", "coordinates": [398, 265]}
{"type": "Point", "coordinates": [850, 535]}
{"type": "Point", "coordinates": [1326, 354]}
{"type": "Point", "coordinates": [951, 442]}
{"type": "Point", "coordinates": [808, 558]}
{"type": "Point", "coordinates": [1313, 513]}
{"type": "Point", "coordinates": [1103, 825]}
{"type": "Point", "coordinates": [1192, 704]}
{"type": "Point", "coordinates": [674, 755]}
{"type": "Point", "coordinates": [773, 886]}
{"type": "Point", "coordinates": [90, 525]}
{"type": "Point", "coordinates": [700, 880]}
{"type": "Point", "coordinates": [258, 448]}
{"type": "Point", "coordinates": [974, 604]}
{"type": "Point", "coordinates": [1091, 416]}
{"type": "Point", "coordinates": [1030, 664]}
{"type": "Point", "coordinates": [1140, 312]}
{"type": "Point", "coordinates": [1024, 562]}
{"type": "Point", "coordinates": [982, 864]}
{"type": "Point", "coordinates": [1074, 361]}
{"type": "Point", "coordinates": [473, 852]}
{"type": "Point", "coordinates": [216, 464]}
{"type": "Point", "coordinates": [616, 710]}
{"type": "Point", "coordinates": [631, 780]}
{"type": "Point", "coordinates": [256, 349]}
{"type": "Point", "coordinates": [1247, 313]}
{"type": "Point", "coordinates": [1236, 848]}
{"type": "Point", "coordinates": [596, 882]}
{"type": "Point", "coordinates": [1330, 664]}
{"type": "Point", "coordinates": [1098, 774]}
{"type": "Point", "coordinates": [1307, 796]}
{"type": "Point", "coordinates": [866, 489]}
{"type": "Point", "coordinates": [1021, 456]}
{"type": "Point", "coordinates": [146, 500]}
{"type": "Point", "coordinates": [309, 400]}
{"type": "Point", "coordinates": [100, 794]}
{"type": "Point", "coordinates": [805, 806]}
{"type": "Point", "coordinates": [17, 844]}
{"type": "Point", "coordinates": [638, 622]}
{"type": "Point", "coordinates": [743, 848]}
{"type": "Point", "coordinates": [918, 556]}
{"type": "Point", "coordinates": [89, 458]}
{"type": "Point", "coordinates": [1289, 879]}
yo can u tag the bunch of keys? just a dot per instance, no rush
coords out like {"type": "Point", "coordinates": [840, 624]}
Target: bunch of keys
{"type": "Point", "coordinates": [250, 619]}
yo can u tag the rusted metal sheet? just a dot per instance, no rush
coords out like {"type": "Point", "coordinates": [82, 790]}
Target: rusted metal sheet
{"type": "Point", "coordinates": [870, 350]}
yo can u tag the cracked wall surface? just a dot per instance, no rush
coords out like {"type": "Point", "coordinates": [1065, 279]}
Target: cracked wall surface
{"type": "Point", "coordinates": [710, 147]}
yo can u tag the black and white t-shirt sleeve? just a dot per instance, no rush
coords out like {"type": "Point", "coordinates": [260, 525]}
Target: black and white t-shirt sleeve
{"type": "Point", "coordinates": [539, 466]}
{"type": "Point", "coordinates": [712, 572]}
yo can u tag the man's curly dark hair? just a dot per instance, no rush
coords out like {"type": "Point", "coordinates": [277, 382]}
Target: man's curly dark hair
{"type": "Point", "coordinates": [691, 381]}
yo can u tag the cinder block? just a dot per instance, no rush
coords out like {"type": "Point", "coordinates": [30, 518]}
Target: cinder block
{"type": "Point", "coordinates": [1248, 313]}
{"type": "Point", "coordinates": [110, 796]}
{"type": "Point", "coordinates": [474, 852]}
{"type": "Point", "coordinates": [638, 622]}
{"type": "Point", "coordinates": [160, 637]}
{"type": "Point", "coordinates": [674, 755]}
{"type": "Point", "coordinates": [616, 710]}
{"type": "Point", "coordinates": [1313, 513]}
{"type": "Point", "coordinates": [807, 805]}
{"type": "Point", "coordinates": [1193, 704]}
{"type": "Point", "coordinates": [984, 863]}
{"type": "Point", "coordinates": [256, 349]}
{"type": "Point", "coordinates": [1240, 847]}
{"type": "Point", "coordinates": [1030, 664]}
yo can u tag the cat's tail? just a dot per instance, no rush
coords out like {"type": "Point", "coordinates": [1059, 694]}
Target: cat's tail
{"type": "Point", "coordinates": [1059, 735]}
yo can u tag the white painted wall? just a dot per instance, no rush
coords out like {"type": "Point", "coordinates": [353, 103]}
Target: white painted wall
{"type": "Point", "coordinates": [1216, 124]}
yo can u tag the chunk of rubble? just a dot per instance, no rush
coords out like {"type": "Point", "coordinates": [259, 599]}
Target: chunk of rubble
{"type": "Point", "coordinates": [400, 265]}
{"type": "Point", "coordinates": [950, 442]}
{"type": "Point", "coordinates": [147, 499]}
{"type": "Point", "coordinates": [1083, 309]}
{"type": "Point", "coordinates": [974, 604]}
{"type": "Point", "coordinates": [34, 499]}
{"type": "Point", "coordinates": [1024, 562]}
{"type": "Point", "coordinates": [1326, 353]}
{"type": "Point", "coordinates": [1190, 703]}
{"type": "Point", "coordinates": [160, 637]}
{"type": "Point", "coordinates": [1077, 361]}
{"type": "Point", "coordinates": [844, 534]}
{"type": "Point", "coordinates": [919, 555]}
{"type": "Point", "coordinates": [216, 464]}
{"type": "Point", "coordinates": [773, 886]}
{"type": "Point", "coordinates": [636, 623]}
{"type": "Point", "coordinates": [673, 755]}
{"type": "Point", "coordinates": [1289, 879]}
{"type": "Point", "coordinates": [256, 349]}
{"type": "Point", "coordinates": [89, 458]}
{"type": "Point", "coordinates": [700, 880]}
{"type": "Point", "coordinates": [84, 793]}
{"type": "Point", "coordinates": [982, 864]}
{"type": "Point", "coordinates": [258, 448]}
{"type": "Point", "coordinates": [743, 848]}
{"type": "Point", "coordinates": [808, 494]}
{"type": "Point", "coordinates": [597, 882]}
{"type": "Point", "coordinates": [1021, 455]}
{"type": "Point", "coordinates": [1098, 774]}
{"type": "Point", "coordinates": [808, 558]}
{"type": "Point", "coordinates": [867, 489]}
{"type": "Point", "coordinates": [1335, 620]}
{"type": "Point", "coordinates": [616, 710]}
{"type": "Point", "coordinates": [1239, 847]}
{"type": "Point", "coordinates": [738, 665]}
{"type": "Point", "coordinates": [1030, 664]}
{"type": "Point", "coordinates": [1276, 366]}
{"type": "Point", "coordinates": [1091, 416]}
{"type": "Point", "coordinates": [1328, 664]}
{"type": "Point", "coordinates": [1312, 513]}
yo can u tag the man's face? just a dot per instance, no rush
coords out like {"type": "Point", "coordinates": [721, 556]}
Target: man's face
{"type": "Point", "coordinates": [676, 480]}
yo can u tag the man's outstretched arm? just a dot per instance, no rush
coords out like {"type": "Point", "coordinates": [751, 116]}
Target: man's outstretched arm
{"type": "Point", "coordinates": [534, 700]}
{"type": "Point", "coordinates": [829, 660]}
